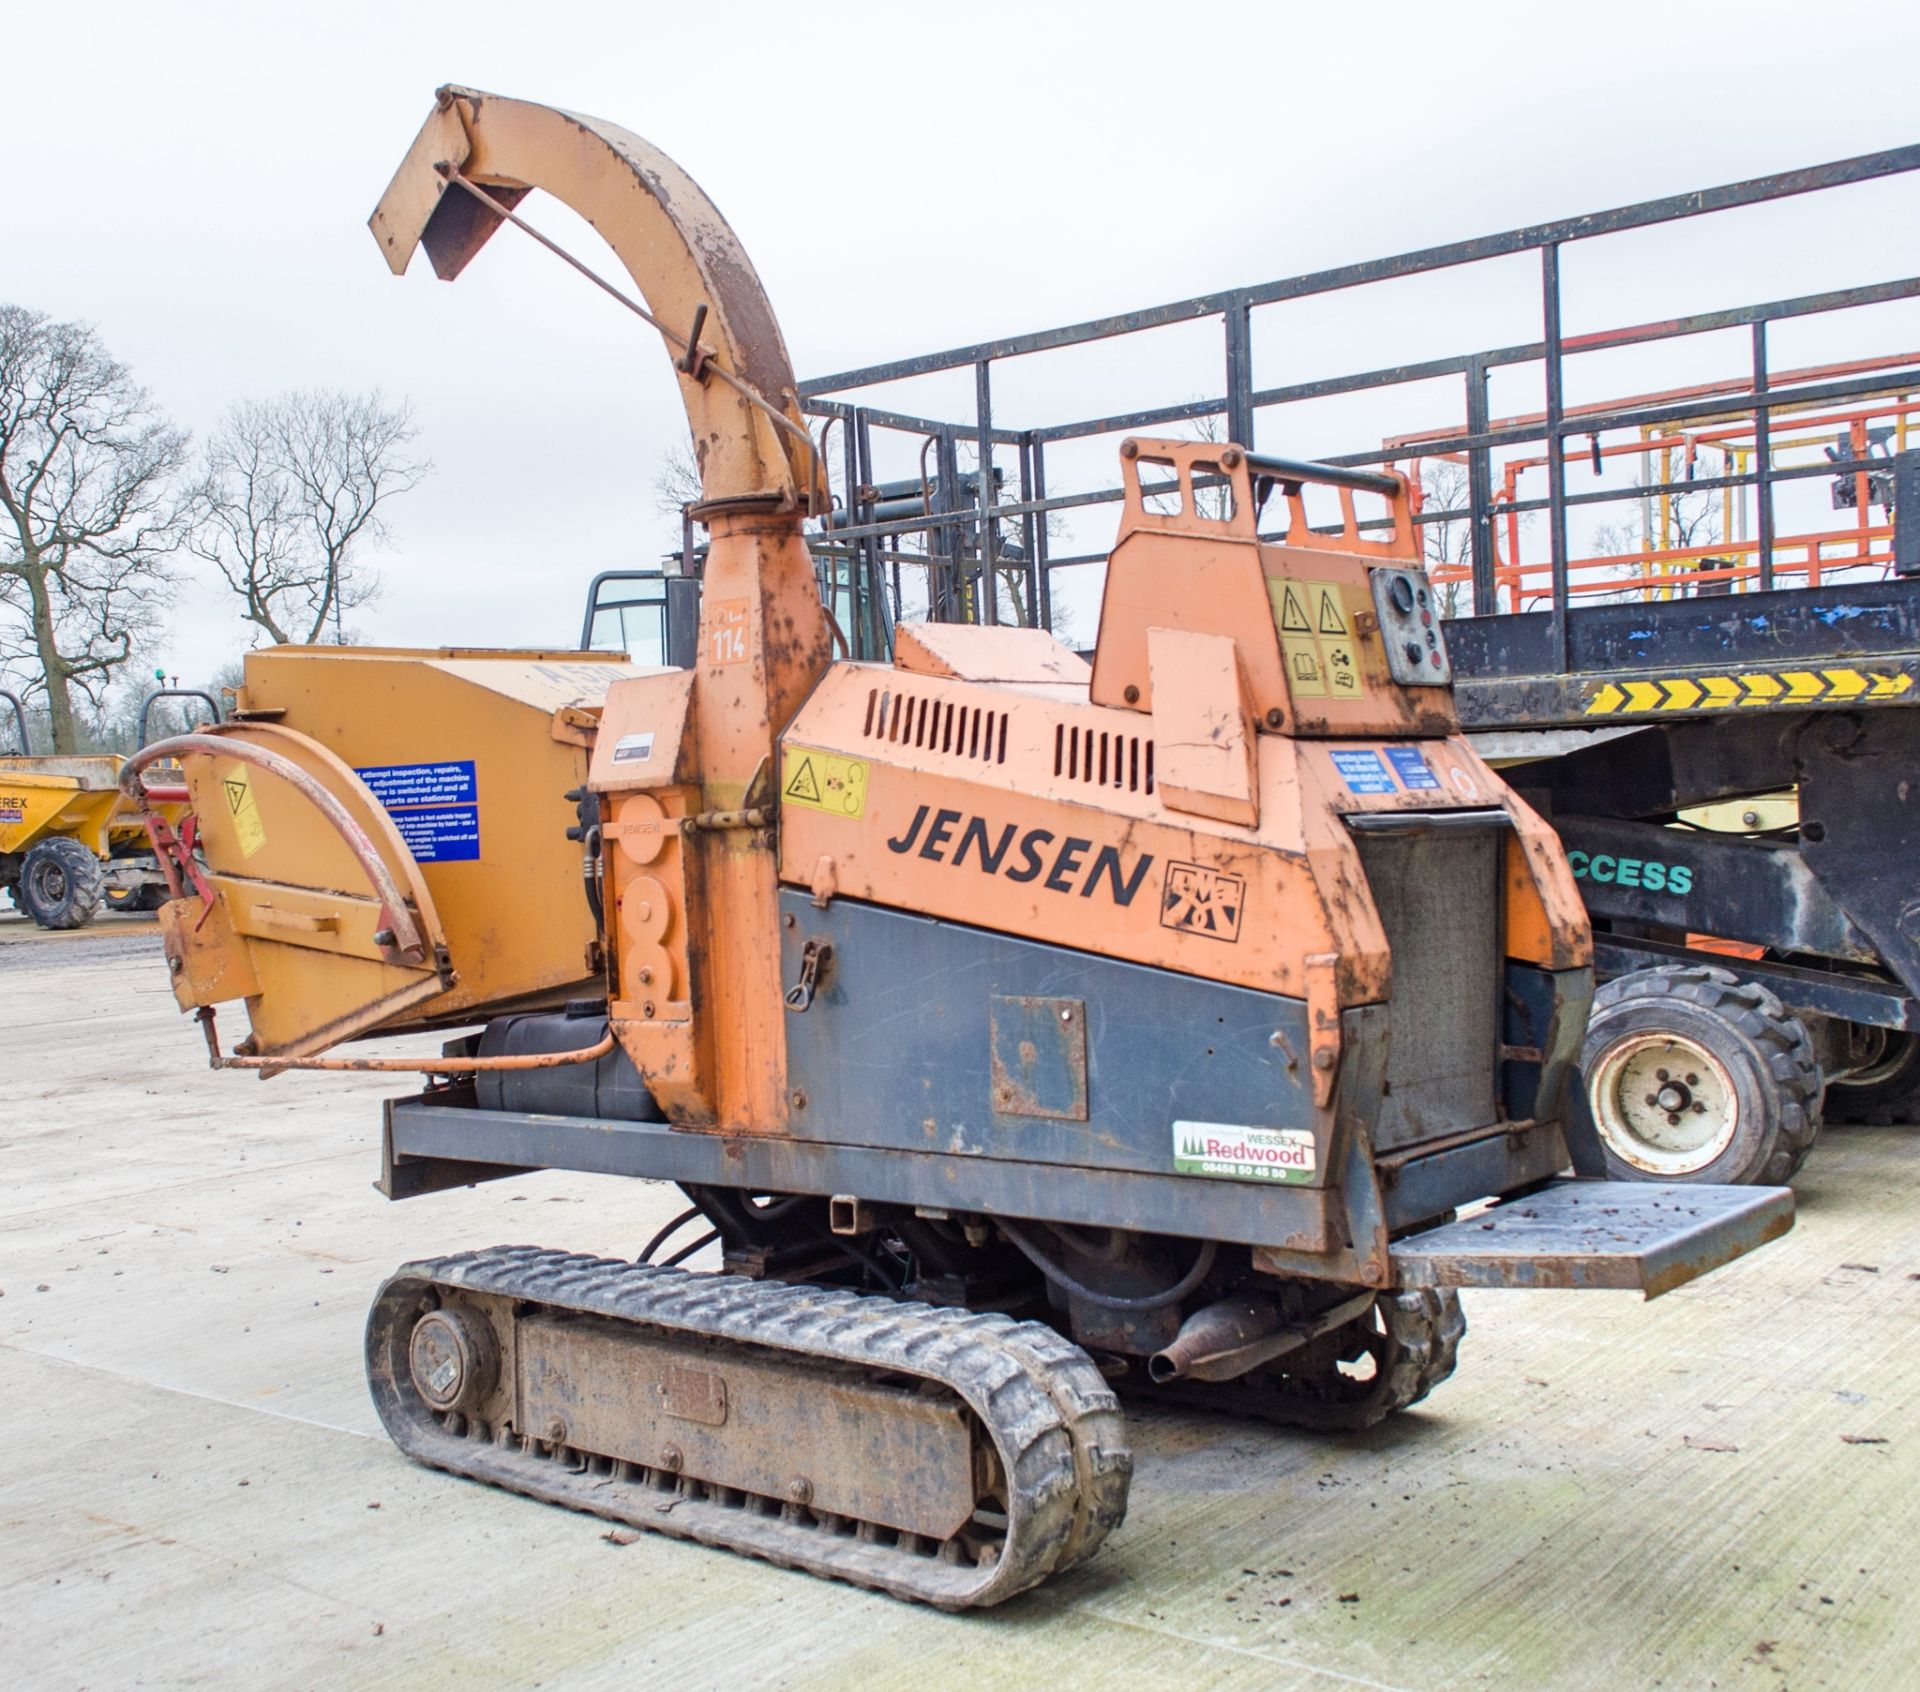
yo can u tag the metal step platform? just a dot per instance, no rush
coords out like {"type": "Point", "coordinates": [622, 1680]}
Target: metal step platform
{"type": "Point", "coordinates": [1620, 1235]}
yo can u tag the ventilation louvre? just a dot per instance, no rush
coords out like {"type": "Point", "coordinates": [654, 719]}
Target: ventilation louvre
{"type": "Point", "coordinates": [1102, 758]}
{"type": "Point", "coordinates": [946, 726]}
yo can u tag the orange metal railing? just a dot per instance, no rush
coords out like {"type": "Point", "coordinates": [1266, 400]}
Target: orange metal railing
{"type": "Point", "coordinates": [1673, 556]}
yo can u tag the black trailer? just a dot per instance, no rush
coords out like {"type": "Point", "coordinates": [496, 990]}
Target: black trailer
{"type": "Point", "coordinates": [1761, 973]}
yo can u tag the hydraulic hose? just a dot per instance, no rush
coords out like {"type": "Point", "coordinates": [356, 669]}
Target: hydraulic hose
{"type": "Point", "coordinates": [1109, 1301]}
{"type": "Point", "coordinates": [667, 1233]}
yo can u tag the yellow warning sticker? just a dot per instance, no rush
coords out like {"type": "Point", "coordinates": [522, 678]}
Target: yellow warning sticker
{"type": "Point", "coordinates": [1330, 611]}
{"type": "Point", "coordinates": [1306, 674]}
{"type": "Point", "coordinates": [824, 781]}
{"type": "Point", "coordinates": [1343, 672]}
{"type": "Point", "coordinates": [1290, 606]}
{"type": "Point", "coordinates": [237, 788]}
{"type": "Point", "coordinates": [1316, 637]}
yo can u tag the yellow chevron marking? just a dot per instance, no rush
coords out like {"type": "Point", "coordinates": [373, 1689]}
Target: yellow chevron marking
{"type": "Point", "coordinates": [1757, 687]}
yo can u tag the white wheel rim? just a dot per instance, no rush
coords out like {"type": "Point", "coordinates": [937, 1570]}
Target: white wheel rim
{"type": "Point", "coordinates": [1663, 1103]}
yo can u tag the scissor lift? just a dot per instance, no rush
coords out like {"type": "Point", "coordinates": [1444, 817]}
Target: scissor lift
{"type": "Point", "coordinates": [1765, 960]}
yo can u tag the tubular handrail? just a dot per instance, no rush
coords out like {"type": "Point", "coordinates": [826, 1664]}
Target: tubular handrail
{"type": "Point", "coordinates": [956, 546]}
{"type": "Point", "coordinates": [397, 920]}
{"type": "Point", "coordinates": [146, 705]}
{"type": "Point", "coordinates": [20, 721]}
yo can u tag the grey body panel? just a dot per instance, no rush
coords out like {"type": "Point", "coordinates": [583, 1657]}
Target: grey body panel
{"type": "Point", "coordinates": [1570, 1234]}
{"type": "Point", "coordinates": [940, 1065]}
{"type": "Point", "coordinates": [452, 1144]}
{"type": "Point", "coordinates": [930, 1036]}
{"type": "Point", "coordinates": [1432, 1183]}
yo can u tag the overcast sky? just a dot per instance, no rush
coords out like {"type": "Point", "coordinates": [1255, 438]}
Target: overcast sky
{"type": "Point", "coordinates": [195, 179]}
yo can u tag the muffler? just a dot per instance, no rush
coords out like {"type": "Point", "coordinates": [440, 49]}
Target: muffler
{"type": "Point", "coordinates": [1223, 1340]}
{"type": "Point", "coordinates": [1237, 1334]}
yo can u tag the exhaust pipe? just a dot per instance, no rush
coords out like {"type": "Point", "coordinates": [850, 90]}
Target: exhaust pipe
{"type": "Point", "coordinates": [1227, 1339]}
{"type": "Point", "coordinates": [1223, 1340]}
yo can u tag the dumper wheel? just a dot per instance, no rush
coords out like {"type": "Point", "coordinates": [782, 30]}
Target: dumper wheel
{"type": "Point", "coordinates": [1380, 1363]}
{"type": "Point", "coordinates": [1885, 1092]}
{"type": "Point", "coordinates": [1694, 1075]}
{"type": "Point", "coordinates": [61, 884]}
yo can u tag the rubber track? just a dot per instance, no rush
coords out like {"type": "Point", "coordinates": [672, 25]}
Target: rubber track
{"type": "Point", "coordinates": [1048, 1411]}
{"type": "Point", "coordinates": [1425, 1326]}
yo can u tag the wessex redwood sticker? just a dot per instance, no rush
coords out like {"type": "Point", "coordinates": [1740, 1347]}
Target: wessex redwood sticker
{"type": "Point", "coordinates": [1235, 1153]}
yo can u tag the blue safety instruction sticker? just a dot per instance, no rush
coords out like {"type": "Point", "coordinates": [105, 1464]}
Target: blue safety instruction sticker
{"type": "Point", "coordinates": [398, 786]}
{"type": "Point", "coordinates": [1363, 772]}
{"type": "Point", "coordinates": [1410, 767]}
{"type": "Point", "coordinates": [439, 834]}
{"type": "Point", "coordinates": [436, 807]}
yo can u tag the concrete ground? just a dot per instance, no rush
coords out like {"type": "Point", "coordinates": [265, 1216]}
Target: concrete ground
{"type": "Point", "coordinates": [1720, 1489]}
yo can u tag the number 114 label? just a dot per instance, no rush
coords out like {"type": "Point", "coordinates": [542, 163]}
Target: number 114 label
{"type": "Point", "coordinates": [726, 639]}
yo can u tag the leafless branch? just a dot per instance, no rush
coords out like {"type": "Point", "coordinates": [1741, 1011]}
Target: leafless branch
{"type": "Point", "coordinates": [289, 492]}
{"type": "Point", "coordinates": [89, 521]}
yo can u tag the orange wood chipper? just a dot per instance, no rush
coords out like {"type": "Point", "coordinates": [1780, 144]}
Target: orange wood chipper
{"type": "Point", "coordinates": [1027, 1033]}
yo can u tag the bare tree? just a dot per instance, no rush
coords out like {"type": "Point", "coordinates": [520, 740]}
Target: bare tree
{"type": "Point", "coordinates": [1446, 540]}
{"type": "Point", "coordinates": [676, 484]}
{"type": "Point", "coordinates": [1213, 500]}
{"type": "Point", "coordinates": [1683, 520]}
{"type": "Point", "coordinates": [290, 490]}
{"type": "Point", "coordinates": [88, 519]}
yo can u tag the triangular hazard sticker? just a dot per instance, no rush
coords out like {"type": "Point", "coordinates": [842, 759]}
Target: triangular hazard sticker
{"type": "Point", "coordinates": [236, 793]}
{"type": "Point", "coordinates": [1293, 615]}
{"type": "Point", "coordinates": [1332, 620]}
{"type": "Point", "coordinates": [804, 787]}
